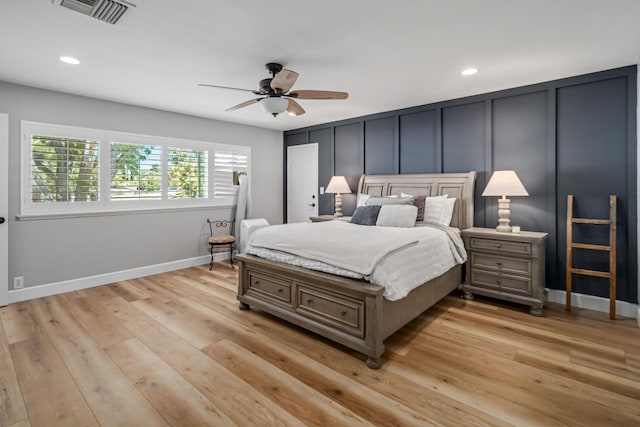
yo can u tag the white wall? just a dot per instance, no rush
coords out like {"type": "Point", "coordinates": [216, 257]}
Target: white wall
{"type": "Point", "coordinates": [51, 250]}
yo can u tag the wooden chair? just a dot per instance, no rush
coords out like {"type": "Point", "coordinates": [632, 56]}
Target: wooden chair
{"type": "Point", "coordinates": [221, 236]}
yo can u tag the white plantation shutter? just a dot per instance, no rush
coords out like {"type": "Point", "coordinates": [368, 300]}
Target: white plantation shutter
{"type": "Point", "coordinates": [187, 173]}
{"type": "Point", "coordinates": [64, 170]}
{"type": "Point", "coordinates": [224, 165]}
{"type": "Point", "coordinates": [136, 172]}
{"type": "Point", "coordinates": [72, 170]}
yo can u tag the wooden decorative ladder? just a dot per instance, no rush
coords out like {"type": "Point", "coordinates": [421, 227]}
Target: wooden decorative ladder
{"type": "Point", "coordinates": [611, 248]}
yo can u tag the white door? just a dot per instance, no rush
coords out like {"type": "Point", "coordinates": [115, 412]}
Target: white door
{"type": "Point", "coordinates": [302, 182]}
{"type": "Point", "coordinates": [4, 209]}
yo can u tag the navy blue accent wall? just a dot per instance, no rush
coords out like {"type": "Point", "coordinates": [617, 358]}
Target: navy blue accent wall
{"type": "Point", "coordinates": [419, 150]}
{"type": "Point", "coordinates": [571, 136]}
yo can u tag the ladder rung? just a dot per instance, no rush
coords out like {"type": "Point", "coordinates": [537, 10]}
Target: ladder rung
{"type": "Point", "coordinates": [591, 247]}
{"type": "Point", "coordinates": [590, 221]}
{"type": "Point", "coordinates": [603, 274]}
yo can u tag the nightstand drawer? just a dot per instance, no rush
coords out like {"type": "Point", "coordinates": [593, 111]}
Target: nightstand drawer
{"type": "Point", "coordinates": [334, 309]}
{"type": "Point", "coordinates": [521, 248]}
{"type": "Point", "coordinates": [513, 284]}
{"type": "Point", "coordinates": [507, 265]}
{"type": "Point", "coordinates": [269, 287]}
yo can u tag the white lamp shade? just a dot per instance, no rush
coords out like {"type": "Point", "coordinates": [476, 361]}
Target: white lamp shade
{"type": "Point", "coordinates": [505, 183]}
{"type": "Point", "coordinates": [338, 184]}
{"type": "Point", "coordinates": [274, 105]}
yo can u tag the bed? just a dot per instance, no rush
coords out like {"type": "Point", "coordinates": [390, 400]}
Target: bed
{"type": "Point", "coordinates": [348, 311]}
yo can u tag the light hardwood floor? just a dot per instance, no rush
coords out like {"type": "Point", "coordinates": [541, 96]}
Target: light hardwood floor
{"type": "Point", "coordinates": [173, 349]}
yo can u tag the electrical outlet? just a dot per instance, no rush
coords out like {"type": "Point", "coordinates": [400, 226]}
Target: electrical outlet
{"type": "Point", "coordinates": [18, 282]}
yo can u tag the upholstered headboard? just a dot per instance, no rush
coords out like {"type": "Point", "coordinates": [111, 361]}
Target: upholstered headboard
{"type": "Point", "coordinates": [458, 185]}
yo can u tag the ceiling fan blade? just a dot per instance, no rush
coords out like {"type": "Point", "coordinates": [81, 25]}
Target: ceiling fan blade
{"type": "Point", "coordinates": [284, 80]}
{"type": "Point", "coordinates": [318, 94]}
{"type": "Point", "coordinates": [226, 87]}
{"type": "Point", "coordinates": [294, 109]}
{"type": "Point", "coordinates": [244, 104]}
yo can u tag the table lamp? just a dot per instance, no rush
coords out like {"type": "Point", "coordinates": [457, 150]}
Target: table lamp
{"type": "Point", "coordinates": [339, 186]}
{"type": "Point", "coordinates": [504, 183]}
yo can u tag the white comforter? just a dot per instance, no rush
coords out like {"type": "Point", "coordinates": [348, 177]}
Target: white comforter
{"type": "Point", "coordinates": [399, 259]}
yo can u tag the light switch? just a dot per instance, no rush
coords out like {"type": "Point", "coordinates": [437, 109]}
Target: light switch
{"type": "Point", "coordinates": [321, 190]}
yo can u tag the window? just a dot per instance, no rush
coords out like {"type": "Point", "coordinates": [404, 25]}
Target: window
{"type": "Point", "coordinates": [64, 170]}
{"type": "Point", "coordinates": [187, 173]}
{"type": "Point", "coordinates": [136, 172]}
{"type": "Point", "coordinates": [74, 170]}
{"type": "Point", "coordinates": [225, 164]}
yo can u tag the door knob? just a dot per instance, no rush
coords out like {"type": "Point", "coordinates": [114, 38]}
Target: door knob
{"type": "Point", "coordinates": [313, 205]}
{"type": "Point", "coordinates": [1, 220]}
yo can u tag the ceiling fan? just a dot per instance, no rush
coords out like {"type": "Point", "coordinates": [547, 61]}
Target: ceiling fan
{"type": "Point", "coordinates": [274, 96]}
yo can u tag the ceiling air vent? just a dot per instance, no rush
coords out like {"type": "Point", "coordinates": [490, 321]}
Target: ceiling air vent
{"type": "Point", "coordinates": [109, 11]}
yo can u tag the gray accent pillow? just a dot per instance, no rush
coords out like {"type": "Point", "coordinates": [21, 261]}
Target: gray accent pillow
{"type": "Point", "coordinates": [389, 201]}
{"type": "Point", "coordinates": [366, 215]}
{"type": "Point", "coordinates": [418, 202]}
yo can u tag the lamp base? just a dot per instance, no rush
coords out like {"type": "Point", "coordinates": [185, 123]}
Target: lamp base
{"type": "Point", "coordinates": [504, 215]}
{"type": "Point", "coordinates": [338, 201]}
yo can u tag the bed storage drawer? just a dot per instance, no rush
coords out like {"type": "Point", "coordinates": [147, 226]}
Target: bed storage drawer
{"type": "Point", "coordinates": [331, 308]}
{"type": "Point", "coordinates": [269, 287]}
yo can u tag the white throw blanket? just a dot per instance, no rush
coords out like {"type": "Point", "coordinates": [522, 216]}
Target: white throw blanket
{"type": "Point", "coordinates": [353, 247]}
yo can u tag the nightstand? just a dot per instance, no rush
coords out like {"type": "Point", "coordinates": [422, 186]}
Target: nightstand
{"type": "Point", "coordinates": [509, 266]}
{"type": "Point", "coordinates": [322, 218]}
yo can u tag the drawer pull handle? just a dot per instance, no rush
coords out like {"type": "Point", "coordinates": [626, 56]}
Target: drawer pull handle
{"type": "Point", "coordinates": [499, 262]}
{"type": "Point", "coordinates": [498, 245]}
{"type": "Point", "coordinates": [280, 290]}
{"type": "Point", "coordinates": [257, 282]}
{"type": "Point", "coordinates": [498, 281]}
{"type": "Point", "coordinates": [309, 301]}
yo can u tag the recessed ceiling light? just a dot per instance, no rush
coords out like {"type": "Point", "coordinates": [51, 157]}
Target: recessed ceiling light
{"type": "Point", "coordinates": [469, 71]}
{"type": "Point", "coordinates": [69, 60]}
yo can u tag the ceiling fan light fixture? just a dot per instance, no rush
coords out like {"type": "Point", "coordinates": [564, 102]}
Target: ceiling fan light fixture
{"type": "Point", "coordinates": [274, 105]}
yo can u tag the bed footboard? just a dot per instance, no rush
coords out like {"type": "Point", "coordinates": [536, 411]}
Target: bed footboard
{"type": "Point", "coordinates": [350, 312]}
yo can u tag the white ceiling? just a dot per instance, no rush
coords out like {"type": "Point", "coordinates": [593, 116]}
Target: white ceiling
{"type": "Point", "coordinates": [387, 55]}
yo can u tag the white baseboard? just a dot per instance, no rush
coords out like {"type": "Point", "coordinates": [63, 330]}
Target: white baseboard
{"type": "Point", "coordinates": [104, 279]}
{"type": "Point", "coordinates": [592, 302]}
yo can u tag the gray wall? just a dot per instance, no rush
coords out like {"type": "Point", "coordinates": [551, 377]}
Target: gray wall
{"type": "Point", "coordinates": [51, 250]}
{"type": "Point", "coordinates": [571, 136]}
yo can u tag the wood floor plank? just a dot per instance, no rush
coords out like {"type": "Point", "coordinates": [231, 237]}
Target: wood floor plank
{"type": "Point", "coordinates": [18, 322]}
{"type": "Point", "coordinates": [49, 391]}
{"type": "Point", "coordinates": [349, 393]}
{"type": "Point", "coordinates": [516, 382]}
{"type": "Point", "coordinates": [103, 327]}
{"type": "Point", "coordinates": [177, 401]}
{"type": "Point", "coordinates": [306, 403]}
{"type": "Point", "coordinates": [584, 374]}
{"type": "Point", "coordinates": [233, 395]}
{"type": "Point", "coordinates": [195, 332]}
{"type": "Point", "coordinates": [178, 345]}
{"type": "Point", "coordinates": [111, 396]}
{"type": "Point", "coordinates": [12, 407]}
{"type": "Point", "coordinates": [128, 291]}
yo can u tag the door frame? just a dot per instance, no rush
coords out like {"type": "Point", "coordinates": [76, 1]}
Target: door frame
{"type": "Point", "coordinates": [4, 209]}
{"type": "Point", "coordinates": [315, 147]}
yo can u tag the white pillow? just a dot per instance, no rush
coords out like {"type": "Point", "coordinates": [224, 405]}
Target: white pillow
{"type": "Point", "coordinates": [362, 200]}
{"type": "Point", "coordinates": [397, 216]}
{"type": "Point", "coordinates": [433, 207]}
{"type": "Point", "coordinates": [447, 212]}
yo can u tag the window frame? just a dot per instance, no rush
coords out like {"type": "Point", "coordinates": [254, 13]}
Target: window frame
{"type": "Point", "coordinates": [104, 204]}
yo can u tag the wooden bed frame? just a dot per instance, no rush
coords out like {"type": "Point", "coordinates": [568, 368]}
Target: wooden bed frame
{"type": "Point", "coordinates": [354, 312]}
